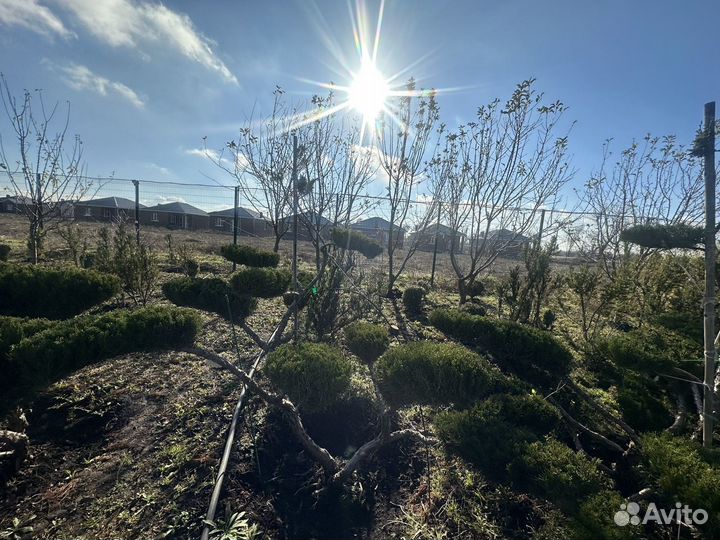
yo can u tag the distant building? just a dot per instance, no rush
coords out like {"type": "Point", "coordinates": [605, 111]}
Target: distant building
{"type": "Point", "coordinates": [509, 243]}
{"type": "Point", "coordinates": [175, 215]}
{"type": "Point", "coordinates": [309, 225]}
{"type": "Point", "coordinates": [13, 204]}
{"type": "Point", "coordinates": [109, 209]}
{"type": "Point", "coordinates": [378, 229]}
{"type": "Point", "coordinates": [250, 222]}
{"type": "Point", "coordinates": [446, 238]}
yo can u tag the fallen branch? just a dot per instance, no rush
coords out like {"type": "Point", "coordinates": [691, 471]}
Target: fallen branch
{"type": "Point", "coordinates": [594, 434]}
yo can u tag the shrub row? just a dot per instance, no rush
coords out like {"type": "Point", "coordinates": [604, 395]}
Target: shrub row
{"type": "Point", "coordinates": [249, 256]}
{"type": "Point", "coordinates": [367, 341]}
{"type": "Point", "coordinates": [71, 344]}
{"type": "Point", "coordinates": [313, 375]}
{"type": "Point", "coordinates": [261, 282]}
{"type": "Point", "coordinates": [14, 329]}
{"type": "Point", "coordinates": [427, 373]}
{"type": "Point", "coordinates": [532, 354]}
{"type": "Point", "coordinates": [210, 294]}
{"type": "Point", "coordinates": [349, 239]}
{"type": "Point", "coordinates": [55, 293]}
{"type": "Point", "coordinates": [495, 430]}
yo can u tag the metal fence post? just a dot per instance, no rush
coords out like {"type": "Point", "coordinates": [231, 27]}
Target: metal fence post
{"type": "Point", "coordinates": [235, 220]}
{"type": "Point", "coordinates": [137, 211]}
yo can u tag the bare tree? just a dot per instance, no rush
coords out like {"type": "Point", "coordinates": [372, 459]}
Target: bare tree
{"type": "Point", "coordinates": [501, 170]}
{"type": "Point", "coordinates": [403, 133]}
{"type": "Point", "coordinates": [653, 182]}
{"type": "Point", "coordinates": [335, 169]}
{"type": "Point", "coordinates": [261, 162]}
{"type": "Point", "coordinates": [45, 169]}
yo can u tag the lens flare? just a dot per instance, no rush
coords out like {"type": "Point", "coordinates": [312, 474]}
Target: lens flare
{"type": "Point", "coordinates": [368, 91]}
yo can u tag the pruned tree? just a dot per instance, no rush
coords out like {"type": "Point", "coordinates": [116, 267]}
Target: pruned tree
{"type": "Point", "coordinates": [45, 169]}
{"type": "Point", "coordinates": [334, 170]}
{"type": "Point", "coordinates": [403, 133]}
{"type": "Point", "coordinates": [502, 169]}
{"type": "Point", "coordinates": [261, 163]}
{"type": "Point", "coordinates": [654, 182]}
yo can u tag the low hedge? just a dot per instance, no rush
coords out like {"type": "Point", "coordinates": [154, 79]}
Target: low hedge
{"type": "Point", "coordinates": [427, 373]}
{"type": "Point", "coordinates": [531, 354]}
{"type": "Point", "coordinates": [353, 240]}
{"type": "Point", "coordinates": [494, 432]}
{"type": "Point", "coordinates": [74, 343]}
{"type": "Point", "coordinates": [209, 294]}
{"type": "Point", "coordinates": [249, 256]}
{"type": "Point", "coordinates": [4, 252]}
{"type": "Point", "coordinates": [313, 375]}
{"type": "Point", "coordinates": [552, 470]}
{"type": "Point", "coordinates": [367, 341]}
{"type": "Point", "coordinates": [679, 469]}
{"type": "Point", "coordinates": [54, 293]}
{"type": "Point", "coordinates": [14, 329]}
{"type": "Point", "coordinates": [261, 282]}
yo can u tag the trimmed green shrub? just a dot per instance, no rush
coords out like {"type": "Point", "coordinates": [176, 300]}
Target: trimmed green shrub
{"type": "Point", "coordinates": [681, 470]}
{"type": "Point", "coordinates": [428, 373]}
{"type": "Point", "coordinates": [313, 375]}
{"type": "Point", "coordinates": [367, 341]}
{"type": "Point", "coordinates": [642, 405]}
{"type": "Point", "coordinates": [472, 308]}
{"type": "Point", "coordinates": [548, 319]}
{"type": "Point", "coordinates": [4, 252]}
{"type": "Point", "coordinates": [474, 289]}
{"type": "Point", "coordinates": [260, 282]}
{"type": "Point", "coordinates": [74, 343]}
{"type": "Point", "coordinates": [210, 294]}
{"type": "Point", "coordinates": [533, 355]}
{"type": "Point", "coordinates": [249, 255]}
{"type": "Point", "coordinates": [552, 470]}
{"type": "Point", "coordinates": [14, 329]}
{"type": "Point", "coordinates": [672, 236]}
{"type": "Point", "coordinates": [633, 351]}
{"type": "Point", "coordinates": [593, 519]}
{"type": "Point", "coordinates": [54, 293]}
{"type": "Point", "coordinates": [353, 240]}
{"type": "Point", "coordinates": [412, 298]}
{"type": "Point", "coordinates": [494, 431]}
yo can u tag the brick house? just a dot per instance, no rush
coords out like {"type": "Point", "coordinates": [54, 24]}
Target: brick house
{"type": "Point", "coordinates": [175, 215]}
{"type": "Point", "coordinates": [378, 229]}
{"type": "Point", "coordinates": [250, 222]}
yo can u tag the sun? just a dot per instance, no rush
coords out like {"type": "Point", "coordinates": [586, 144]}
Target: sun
{"type": "Point", "coordinates": [368, 91]}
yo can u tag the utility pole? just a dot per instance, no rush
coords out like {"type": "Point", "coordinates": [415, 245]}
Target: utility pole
{"type": "Point", "coordinates": [295, 234]}
{"type": "Point", "coordinates": [235, 220]}
{"type": "Point", "coordinates": [709, 307]}
{"type": "Point", "coordinates": [136, 183]}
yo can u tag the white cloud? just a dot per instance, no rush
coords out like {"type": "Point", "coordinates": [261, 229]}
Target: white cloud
{"type": "Point", "coordinates": [81, 78]}
{"type": "Point", "coordinates": [31, 15]}
{"type": "Point", "coordinates": [128, 23]}
{"type": "Point", "coordinates": [203, 153]}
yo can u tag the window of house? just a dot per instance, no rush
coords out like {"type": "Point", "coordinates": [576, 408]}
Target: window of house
{"type": "Point", "coordinates": [218, 222]}
{"type": "Point", "coordinates": [88, 211]}
{"type": "Point", "coordinates": [107, 212]}
{"type": "Point", "coordinates": [155, 216]}
{"type": "Point", "coordinates": [173, 219]}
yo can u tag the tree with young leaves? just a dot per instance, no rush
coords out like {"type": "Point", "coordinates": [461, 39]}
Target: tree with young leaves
{"type": "Point", "coordinates": [403, 132]}
{"type": "Point", "coordinates": [501, 170]}
{"type": "Point", "coordinates": [45, 168]}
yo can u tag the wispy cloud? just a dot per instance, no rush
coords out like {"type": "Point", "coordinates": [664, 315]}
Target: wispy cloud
{"type": "Point", "coordinates": [128, 23]}
{"type": "Point", "coordinates": [31, 15]}
{"type": "Point", "coordinates": [82, 78]}
{"type": "Point", "coordinates": [203, 153]}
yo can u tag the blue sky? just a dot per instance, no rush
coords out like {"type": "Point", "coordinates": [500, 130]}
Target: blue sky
{"type": "Point", "coordinates": [147, 81]}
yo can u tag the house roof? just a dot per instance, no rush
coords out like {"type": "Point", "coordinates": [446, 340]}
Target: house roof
{"type": "Point", "coordinates": [18, 199]}
{"type": "Point", "coordinates": [506, 235]}
{"type": "Point", "coordinates": [442, 229]}
{"type": "Point", "coordinates": [374, 223]}
{"type": "Point", "coordinates": [246, 213]}
{"type": "Point", "coordinates": [177, 208]}
{"type": "Point", "coordinates": [312, 217]}
{"type": "Point", "coordinates": [111, 202]}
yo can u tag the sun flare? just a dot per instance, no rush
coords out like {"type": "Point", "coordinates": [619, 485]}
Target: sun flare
{"type": "Point", "coordinates": [368, 91]}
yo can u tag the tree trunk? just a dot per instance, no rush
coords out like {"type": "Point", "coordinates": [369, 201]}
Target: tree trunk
{"type": "Point", "coordinates": [462, 291]}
